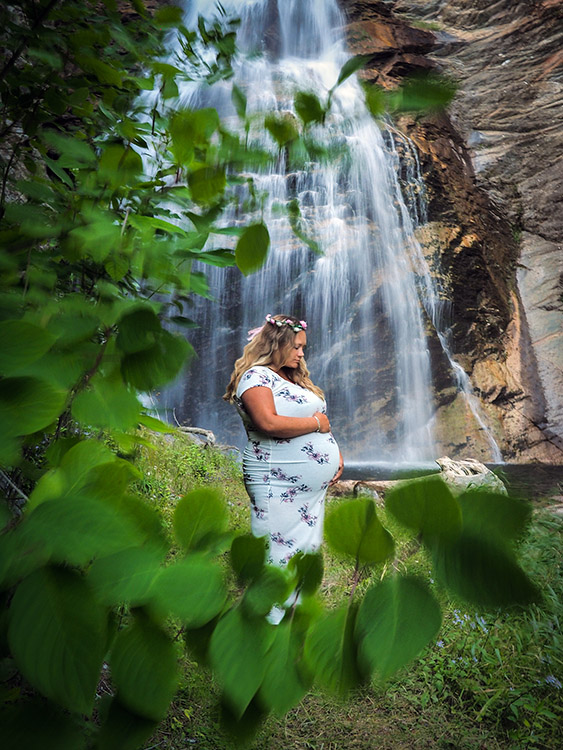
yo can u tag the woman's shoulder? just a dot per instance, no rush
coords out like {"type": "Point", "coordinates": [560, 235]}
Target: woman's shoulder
{"type": "Point", "coordinates": [257, 375]}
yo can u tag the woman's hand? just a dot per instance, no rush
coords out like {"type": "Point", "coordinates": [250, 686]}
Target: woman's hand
{"type": "Point", "coordinates": [324, 424]}
{"type": "Point", "coordinates": [338, 474]}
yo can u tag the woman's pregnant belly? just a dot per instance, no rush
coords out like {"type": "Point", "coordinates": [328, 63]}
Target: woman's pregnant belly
{"type": "Point", "coordinates": [310, 459]}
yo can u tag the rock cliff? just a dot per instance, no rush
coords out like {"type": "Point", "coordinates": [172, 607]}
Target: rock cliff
{"type": "Point", "coordinates": [493, 169]}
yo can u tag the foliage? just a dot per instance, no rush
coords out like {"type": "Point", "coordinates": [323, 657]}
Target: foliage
{"type": "Point", "coordinates": [97, 261]}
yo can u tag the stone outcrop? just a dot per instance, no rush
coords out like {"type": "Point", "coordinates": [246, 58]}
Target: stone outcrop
{"type": "Point", "coordinates": [493, 169]}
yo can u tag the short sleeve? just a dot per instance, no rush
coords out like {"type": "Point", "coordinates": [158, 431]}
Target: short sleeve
{"type": "Point", "coordinates": [256, 376]}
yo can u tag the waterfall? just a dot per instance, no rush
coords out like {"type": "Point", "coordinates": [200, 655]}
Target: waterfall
{"type": "Point", "coordinates": [361, 297]}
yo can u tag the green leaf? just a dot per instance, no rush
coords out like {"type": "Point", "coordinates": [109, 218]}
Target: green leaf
{"type": "Point", "coordinates": [28, 405]}
{"type": "Point", "coordinates": [80, 528]}
{"type": "Point", "coordinates": [207, 184]}
{"type": "Point", "coordinates": [351, 66]}
{"type": "Point", "coordinates": [138, 330]}
{"type": "Point", "coordinates": [123, 729]}
{"type": "Point", "coordinates": [308, 569]}
{"type": "Point", "coordinates": [396, 620]}
{"type": "Point", "coordinates": [239, 100]}
{"type": "Point", "coordinates": [282, 128]}
{"type": "Point", "coordinates": [426, 93]}
{"type": "Point", "coordinates": [426, 505]}
{"type": "Point", "coordinates": [252, 248]}
{"type": "Point", "coordinates": [271, 587]}
{"type": "Point", "coordinates": [309, 108]}
{"type": "Point", "coordinates": [74, 152]}
{"type": "Point", "coordinates": [22, 344]}
{"type": "Point", "coordinates": [37, 723]}
{"type": "Point", "coordinates": [375, 100]}
{"type": "Point", "coordinates": [75, 465]}
{"type": "Point", "coordinates": [354, 529]}
{"type": "Point", "coordinates": [157, 365]}
{"type": "Point", "coordinates": [285, 680]}
{"type": "Point", "coordinates": [330, 651]}
{"type": "Point", "coordinates": [488, 514]}
{"type": "Point", "coordinates": [126, 576]}
{"type": "Point", "coordinates": [108, 404]}
{"type": "Point", "coordinates": [189, 128]}
{"type": "Point", "coordinates": [57, 634]}
{"type": "Point", "coordinates": [144, 669]}
{"type": "Point", "coordinates": [191, 590]}
{"type": "Point", "coordinates": [52, 59]}
{"type": "Point", "coordinates": [238, 656]}
{"type": "Point", "coordinates": [248, 556]}
{"type": "Point", "coordinates": [200, 516]}
{"type": "Point", "coordinates": [119, 165]}
{"type": "Point", "coordinates": [98, 238]}
{"type": "Point", "coordinates": [483, 572]}
{"type": "Point", "coordinates": [20, 554]}
{"type": "Point", "coordinates": [170, 15]}
{"type": "Point", "coordinates": [156, 425]}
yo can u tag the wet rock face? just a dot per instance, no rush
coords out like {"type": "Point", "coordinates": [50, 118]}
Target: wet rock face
{"type": "Point", "coordinates": [493, 170]}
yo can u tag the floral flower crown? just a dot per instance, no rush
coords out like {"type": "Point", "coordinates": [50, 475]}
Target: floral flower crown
{"type": "Point", "coordinates": [299, 326]}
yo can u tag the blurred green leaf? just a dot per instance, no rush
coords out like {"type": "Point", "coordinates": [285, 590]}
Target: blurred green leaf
{"type": "Point", "coordinates": [28, 405]}
{"type": "Point", "coordinates": [107, 403]}
{"type": "Point", "coordinates": [80, 528]}
{"type": "Point", "coordinates": [239, 100]}
{"type": "Point", "coordinates": [396, 620]}
{"type": "Point", "coordinates": [285, 680]}
{"type": "Point", "coordinates": [119, 165]}
{"type": "Point", "coordinates": [354, 529]}
{"type": "Point", "coordinates": [330, 651]}
{"type": "Point", "coordinates": [482, 571]}
{"type": "Point", "coordinates": [375, 100]}
{"type": "Point", "coordinates": [351, 66]}
{"type": "Point", "coordinates": [36, 723]}
{"type": "Point", "coordinates": [156, 365]}
{"type": "Point", "coordinates": [125, 577]}
{"type": "Point", "coordinates": [426, 505]}
{"type": "Point", "coordinates": [75, 464]}
{"type": "Point", "coordinates": [309, 108]}
{"type": "Point", "coordinates": [237, 651]}
{"type": "Point", "coordinates": [123, 729]}
{"type": "Point", "coordinates": [199, 516]}
{"type": "Point", "coordinates": [308, 569]}
{"type": "Point", "coordinates": [138, 329]}
{"type": "Point", "coordinates": [144, 669]}
{"type": "Point", "coordinates": [73, 151]}
{"type": "Point", "coordinates": [192, 590]}
{"type": "Point", "coordinates": [282, 128]}
{"type": "Point", "coordinates": [271, 587]}
{"type": "Point", "coordinates": [22, 344]}
{"type": "Point", "coordinates": [207, 184]}
{"type": "Point", "coordinates": [154, 424]}
{"type": "Point", "coordinates": [248, 556]}
{"type": "Point", "coordinates": [169, 15]}
{"type": "Point", "coordinates": [57, 634]}
{"type": "Point", "coordinates": [252, 248]}
{"type": "Point", "coordinates": [426, 93]}
{"type": "Point", "coordinates": [489, 514]}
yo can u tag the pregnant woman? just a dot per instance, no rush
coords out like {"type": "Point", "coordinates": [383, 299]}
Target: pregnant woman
{"type": "Point", "coordinates": [291, 456]}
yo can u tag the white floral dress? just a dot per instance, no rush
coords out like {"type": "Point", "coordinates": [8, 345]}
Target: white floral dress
{"type": "Point", "coordinates": [287, 478]}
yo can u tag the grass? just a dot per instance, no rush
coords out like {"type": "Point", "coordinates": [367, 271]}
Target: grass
{"type": "Point", "coordinates": [492, 680]}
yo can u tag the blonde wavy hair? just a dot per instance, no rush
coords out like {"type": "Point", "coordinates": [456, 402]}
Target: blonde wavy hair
{"type": "Point", "coordinates": [271, 347]}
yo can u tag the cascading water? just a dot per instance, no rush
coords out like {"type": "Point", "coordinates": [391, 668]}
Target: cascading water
{"type": "Point", "coordinates": [366, 340]}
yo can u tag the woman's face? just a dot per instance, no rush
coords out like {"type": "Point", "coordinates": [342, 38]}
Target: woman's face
{"type": "Point", "coordinates": [297, 351]}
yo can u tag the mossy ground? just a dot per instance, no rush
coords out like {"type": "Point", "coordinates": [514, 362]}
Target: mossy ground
{"type": "Point", "coordinates": [492, 680]}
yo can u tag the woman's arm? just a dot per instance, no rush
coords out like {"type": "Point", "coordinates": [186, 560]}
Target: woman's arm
{"type": "Point", "coordinates": [259, 405]}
